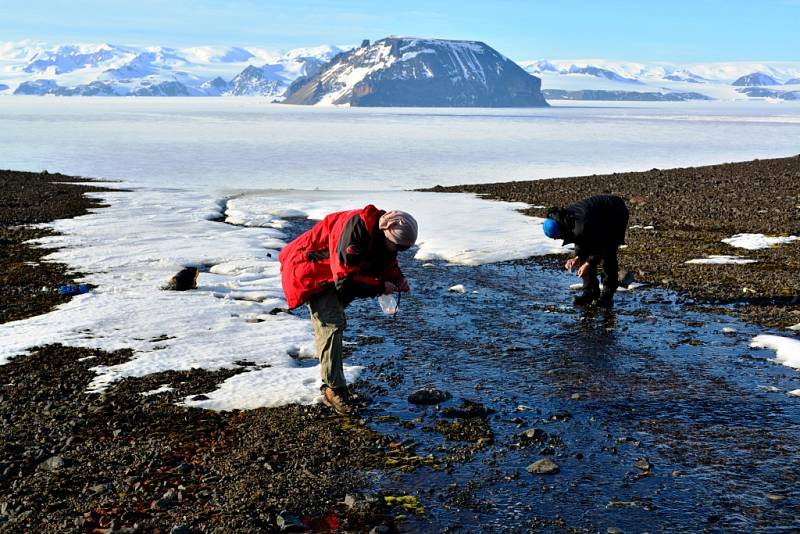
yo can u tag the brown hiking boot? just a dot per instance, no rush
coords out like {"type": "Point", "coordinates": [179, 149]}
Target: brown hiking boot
{"type": "Point", "coordinates": [337, 399]}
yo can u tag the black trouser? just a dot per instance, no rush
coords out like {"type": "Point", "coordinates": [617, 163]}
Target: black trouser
{"type": "Point", "coordinates": [610, 276]}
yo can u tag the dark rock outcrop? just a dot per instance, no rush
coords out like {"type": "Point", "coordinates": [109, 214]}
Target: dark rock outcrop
{"type": "Point", "coordinates": [761, 92]}
{"type": "Point", "coordinates": [38, 87]}
{"type": "Point", "coordinates": [601, 73]}
{"type": "Point", "coordinates": [594, 94]}
{"type": "Point", "coordinates": [755, 79]}
{"type": "Point", "coordinates": [399, 71]}
{"type": "Point", "coordinates": [253, 81]}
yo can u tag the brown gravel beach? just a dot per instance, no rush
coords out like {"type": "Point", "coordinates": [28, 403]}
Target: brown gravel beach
{"type": "Point", "coordinates": [691, 210]}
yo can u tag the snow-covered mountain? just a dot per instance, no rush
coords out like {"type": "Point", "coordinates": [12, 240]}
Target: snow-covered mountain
{"type": "Point", "coordinates": [404, 71]}
{"type": "Point", "coordinates": [114, 70]}
{"type": "Point", "coordinates": [591, 79]}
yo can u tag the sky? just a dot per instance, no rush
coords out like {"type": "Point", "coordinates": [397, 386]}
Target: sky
{"type": "Point", "coordinates": [644, 30]}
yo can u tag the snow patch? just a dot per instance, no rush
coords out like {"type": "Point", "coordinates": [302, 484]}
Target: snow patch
{"type": "Point", "coordinates": [758, 241]}
{"type": "Point", "coordinates": [163, 389]}
{"type": "Point", "coordinates": [721, 260]}
{"type": "Point", "coordinates": [787, 350]}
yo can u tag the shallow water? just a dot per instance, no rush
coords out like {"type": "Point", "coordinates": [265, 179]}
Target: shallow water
{"type": "Point", "coordinates": [649, 380]}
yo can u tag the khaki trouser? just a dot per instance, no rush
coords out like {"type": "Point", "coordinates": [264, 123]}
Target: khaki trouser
{"type": "Point", "coordinates": [328, 320]}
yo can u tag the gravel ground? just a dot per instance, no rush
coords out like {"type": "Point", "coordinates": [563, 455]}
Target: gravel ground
{"type": "Point", "coordinates": [123, 462]}
{"type": "Point", "coordinates": [691, 210]}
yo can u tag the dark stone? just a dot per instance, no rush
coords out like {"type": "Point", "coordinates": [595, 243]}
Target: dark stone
{"type": "Point", "coordinates": [544, 466]}
{"type": "Point", "coordinates": [428, 396]}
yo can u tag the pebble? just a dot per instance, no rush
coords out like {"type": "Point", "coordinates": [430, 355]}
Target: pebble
{"type": "Point", "coordinates": [52, 464]}
{"type": "Point", "coordinates": [99, 489]}
{"type": "Point", "coordinates": [544, 466]}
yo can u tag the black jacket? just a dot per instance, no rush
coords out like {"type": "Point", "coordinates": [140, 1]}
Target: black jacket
{"type": "Point", "coordinates": [596, 225]}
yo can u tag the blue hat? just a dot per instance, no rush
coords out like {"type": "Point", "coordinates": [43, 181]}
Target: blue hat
{"type": "Point", "coordinates": [552, 229]}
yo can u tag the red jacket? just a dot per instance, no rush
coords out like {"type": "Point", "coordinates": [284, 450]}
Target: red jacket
{"type": "Point", "coordinates": [346, 249]}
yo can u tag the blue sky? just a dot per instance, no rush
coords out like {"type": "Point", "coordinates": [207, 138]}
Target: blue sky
{"type": "Point", "coordinates": [645, 30]}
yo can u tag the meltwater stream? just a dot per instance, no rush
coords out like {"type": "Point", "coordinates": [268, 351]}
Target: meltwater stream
{"type": "Point", "coordinates": [658, 420]}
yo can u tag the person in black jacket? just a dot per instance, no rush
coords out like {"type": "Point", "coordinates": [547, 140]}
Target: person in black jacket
{"type": "Point", "coordinates": [596, 226]}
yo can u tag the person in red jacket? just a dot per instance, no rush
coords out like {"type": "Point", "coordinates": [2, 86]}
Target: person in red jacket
{"type": "Point", "coordinates": [347, 255]}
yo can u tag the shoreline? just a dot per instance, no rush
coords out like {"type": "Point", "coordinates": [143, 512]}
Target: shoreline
{"type": "Point", "coordinates": [684, 213]}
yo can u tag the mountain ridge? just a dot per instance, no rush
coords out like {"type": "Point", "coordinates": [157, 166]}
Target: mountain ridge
{"type": "Point", "coordinates": [120, 70]}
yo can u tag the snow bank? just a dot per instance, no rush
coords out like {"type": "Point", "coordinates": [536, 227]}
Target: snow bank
{"type": "Point", "coordinates": [133, 247]}
{"type": "Point", "coordinates": [458, 228]}
{"type": "Point", "coordinates": [721, 260]}
{"type": "Point", "coordinates": [787, 350]}
{"type": "Point", "coordinates": [757, 241]}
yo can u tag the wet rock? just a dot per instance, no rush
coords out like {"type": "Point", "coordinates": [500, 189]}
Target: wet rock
{"type": "Point", "coordinates": [180, 529]}
{"type": "Point", "coordinates": [532, 436]}
{"type": "Point", "coordinates": [467, 409]}
{"type": "Point", "coordinates": [545, 466]}
{"type": "Point", "coordinates": [643, 465]}
{"type": "Point", "coordinates": [361, 505]}
{"type": "Point", "coordinates": [776, 497]}
{"type": "Point", "coordinates": [428, 396]}
{"type": "Point", "coordinates": [380, 529]}
{"type": "Point", "coordinates": [614, 530]}
{"type": "Point", "coordinates": [290, 523]}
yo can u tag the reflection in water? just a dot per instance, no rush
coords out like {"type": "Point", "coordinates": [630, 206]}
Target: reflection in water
{"type": "Point", "coordinates": [655, 418]}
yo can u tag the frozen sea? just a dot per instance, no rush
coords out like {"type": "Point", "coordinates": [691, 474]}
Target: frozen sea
{"type": "Point", "coordinates": [191, 162]}
{"type": "Point", "coordinates": [250, 143]}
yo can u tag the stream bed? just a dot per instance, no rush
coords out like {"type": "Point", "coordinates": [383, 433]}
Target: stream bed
{"type": "Point", "coordinates": [657, 420]}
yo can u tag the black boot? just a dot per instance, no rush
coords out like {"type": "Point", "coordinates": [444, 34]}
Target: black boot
{"type": "Point", "coordinates": [591, 289]}
{"type": "Point", "coordinates": [588, 296]}
{"type": "Point", "coordinates": [606, 299]}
